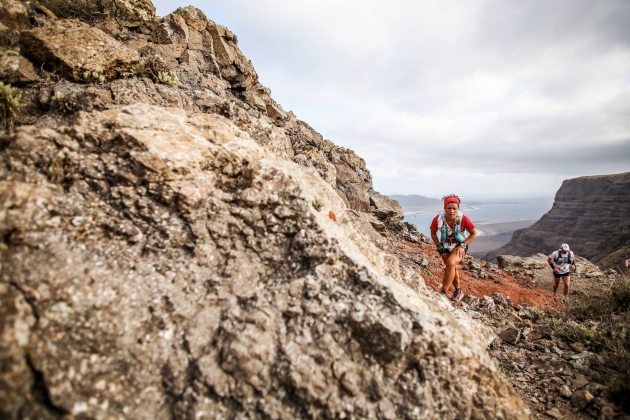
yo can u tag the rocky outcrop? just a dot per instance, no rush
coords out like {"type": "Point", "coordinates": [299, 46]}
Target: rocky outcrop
{"type": "Point", "coordinates": [175, 245]}
{"type": "Point", "coordinates": [72, 48]}
{"type": "Point", "coordinates": [162, 264]}
{"type": "Point", "coordinates": [589, 213]}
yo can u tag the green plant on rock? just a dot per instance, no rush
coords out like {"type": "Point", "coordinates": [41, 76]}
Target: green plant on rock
{"type": "Point", "coordinates": [318, 203]}
{"type": "Point", "coordinates": [11, 53]}
{"type": "Point", "coordinates": [10, 103]}
{"type": "Point", "coordinates": [65, 104]}
{"type": "Point", "coordinates": [94, 76]}
{"type": "Point", "coordinates": [168, 78]}
{"type": "Point", "coordinates": [154, 68]}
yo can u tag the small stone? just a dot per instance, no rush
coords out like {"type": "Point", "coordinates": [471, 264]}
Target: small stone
{"type": "Point", "coordinates": [581, 355]}
{"type": "Point", "coordinates": [580, 381]}
{"type": "Point", "coordinates": [554, 413]}
{"type": "Point", "coordinates": [580, 399]}
{"type": "Point", "coordinates": [425, 262]}
{"type": "Point", "coordinates": [607, 412]}
{"type": "Point", "coordinates": [510, 335]}
{"type": "Point", "coordinates": [565, 391]}
{"type": "Point", "coordinates": [577, 346]}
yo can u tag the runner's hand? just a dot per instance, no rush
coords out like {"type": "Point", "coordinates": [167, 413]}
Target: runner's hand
{"type": "Point", "coordinates": [460, 252]}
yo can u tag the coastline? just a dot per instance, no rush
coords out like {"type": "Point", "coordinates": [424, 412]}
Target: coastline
{"type": "Point", "coordinates": [493, 235]}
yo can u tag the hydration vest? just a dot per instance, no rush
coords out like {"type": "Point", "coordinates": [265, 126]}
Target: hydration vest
{"type": "Point", "coordinates": [457, 228]}
{"type": "Point", "coordinates": [558, 260]}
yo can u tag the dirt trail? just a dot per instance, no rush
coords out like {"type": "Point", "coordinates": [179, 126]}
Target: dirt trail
{"type": "Point", "coordinates": [520, 289]}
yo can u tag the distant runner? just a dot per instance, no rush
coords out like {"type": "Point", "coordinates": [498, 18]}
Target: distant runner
{"type": "Point", "coordinates": [452, 243]}
{"type": "Point", "coordinates": [561, 262]}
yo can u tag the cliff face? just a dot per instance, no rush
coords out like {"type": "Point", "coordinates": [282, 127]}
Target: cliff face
{"type": "Point", "coordinates": [589, 213]}
{"type": "Point", "coordinates": [174, 245]}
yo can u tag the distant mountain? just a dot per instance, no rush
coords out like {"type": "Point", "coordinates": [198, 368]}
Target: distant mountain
{"type": "Point", "coordinates": [589, 213]}
{"type": "Point", "coordinates": [415, 201]}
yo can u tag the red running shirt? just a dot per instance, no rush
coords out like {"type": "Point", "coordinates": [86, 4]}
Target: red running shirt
{"type": "Point", "coordinates": [451, 242]}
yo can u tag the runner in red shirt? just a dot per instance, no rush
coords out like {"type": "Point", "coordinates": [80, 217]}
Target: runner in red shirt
{"type": "Point", "coordinates": [448, 233]}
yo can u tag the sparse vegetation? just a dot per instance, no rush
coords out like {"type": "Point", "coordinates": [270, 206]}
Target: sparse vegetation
{"type": "Point", "coordinates": [154, 68]}
{"type": "Point", "coordinates": [168, 78]}
{"type": "Point", "coordinates": [87, 10]}
{"type": "Point", "coordinates": [63, 103]}
{"type": "Point", "coordinates": [318, 203]}
{"type": "Point", "coordinates": [603, 320]}
{"type": "Point", "coordinates": [94, 76]}
{"type": "Point", "coordinates": [10, 104]}
{"type": "Point", "coordinates": [11, 53]}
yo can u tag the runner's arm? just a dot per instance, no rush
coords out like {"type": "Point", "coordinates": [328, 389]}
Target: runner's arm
{"type": "Point", "coordinates": [436, 241]}
{"type": "Point", "coordinates": [471, 237]}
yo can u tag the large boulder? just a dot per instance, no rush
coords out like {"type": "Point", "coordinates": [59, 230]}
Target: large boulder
{"type": "Point", "coordinates": [163, 265]}
{"type": "Point", "coordinates": [71, 48]}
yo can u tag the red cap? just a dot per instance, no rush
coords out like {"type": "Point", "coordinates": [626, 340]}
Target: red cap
{"type": "Point", "coordinates": [451, 200]}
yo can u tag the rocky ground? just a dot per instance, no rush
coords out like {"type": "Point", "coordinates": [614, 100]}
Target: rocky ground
{"type": "Point", "coordinates": [556, 377]}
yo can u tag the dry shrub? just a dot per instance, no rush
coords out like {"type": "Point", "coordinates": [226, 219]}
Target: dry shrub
{"type": "Point", "coordinates": [154, 68]}
{"type": "Point", "coordinates": [10, 104]}
{"type": "Point", "coordinates": [604, 321]}
{"type": "Point", "coordinates": [90, 11]}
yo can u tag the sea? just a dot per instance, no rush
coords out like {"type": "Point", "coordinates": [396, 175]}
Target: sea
{"type": "Point", "coordinates": [484, 213]}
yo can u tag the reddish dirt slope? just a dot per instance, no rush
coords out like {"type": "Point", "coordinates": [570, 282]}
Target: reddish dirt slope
{"type": "Point", "coordinates": [520, 290]}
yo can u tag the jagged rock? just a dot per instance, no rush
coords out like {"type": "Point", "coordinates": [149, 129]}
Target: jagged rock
{"type": "Point", "coordinates": [594, 274]}
{"type": "Point", "coordinates": [554, 413]}
{"type": "Point", "coordinates": [510, 335]}
{"type": "Point", "coordinates": [16, 69]}
{"type": "Point", "coordinates": [176, 267]}
{"type": "Point", "coordinates": [380, 201]}
{"type": "Point", "coordinates": [171, 30]}
{"type": "Point", "coordinates": [565, 391]}
{"type": "Point", "coordinates": [379, 227]}
{"type": "Point", "coordinates": [194, 17]}
{"type": "Point", "coordinates": [14, 14]}
{"type": "Point", "coordinates": [129, 13]}
{"type": "Point", "coordinates": [353, 188]}
{"type": "Point", "coordinates": [580, 399]}
{"type": "Point", "coordinates": [275, 112]}
{"type": "Point", "coordinates": [384, 213]}
{"type": "Point", "coordinates": [9, 38]}
{"type": "Point", "coordinates": [71, 47]}
{"type": "Point", "coordinates": [580, 381]}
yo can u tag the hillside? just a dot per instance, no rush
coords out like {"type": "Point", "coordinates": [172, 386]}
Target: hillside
{"type": "Point", "coordinates": [589, 213]}
{"type": "Point", "coordinates": [176, 245]}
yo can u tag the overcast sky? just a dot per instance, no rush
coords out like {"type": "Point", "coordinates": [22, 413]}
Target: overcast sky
{"type": "Point", "coordinates": [484, 99]}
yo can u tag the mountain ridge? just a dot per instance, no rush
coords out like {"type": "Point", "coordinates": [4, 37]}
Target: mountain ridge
{"type": "Point", "coordinates": [589, 213]}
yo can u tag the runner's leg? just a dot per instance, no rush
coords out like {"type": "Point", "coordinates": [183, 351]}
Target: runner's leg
{"type": "Point", "coordinates": [556, 284]}
{"type": "Point", "coordinates": [451, 270]}
{"type": "Point", "coordinates": [567, 283]}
